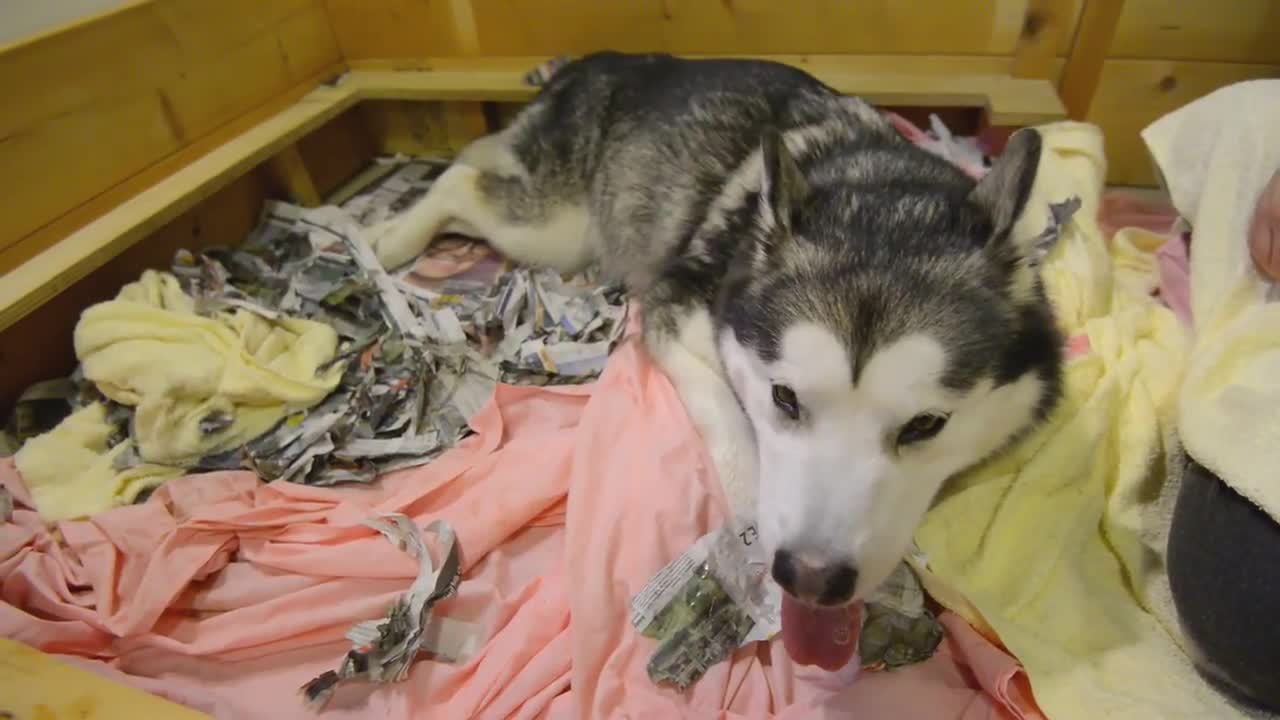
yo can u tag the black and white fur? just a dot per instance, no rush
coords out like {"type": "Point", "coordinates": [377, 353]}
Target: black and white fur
{"type": "Point", "coordinates": [848, 319]}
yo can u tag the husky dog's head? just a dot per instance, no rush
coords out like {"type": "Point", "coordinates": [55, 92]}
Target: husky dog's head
{"type": "Point", "coordinates": [885, 329]}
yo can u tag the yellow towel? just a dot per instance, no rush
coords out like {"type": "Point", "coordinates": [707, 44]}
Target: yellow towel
{"type": "Point", "coordinates": [69, 472]}
{"type": "Point", "coordinates": [1216, 155]}
{"type": "Point", "coordinates": [149, 349]}
{"type": "Point", "coordinates": [1057, 546]}
{"type": "Point", "coordinates": [236, 373]}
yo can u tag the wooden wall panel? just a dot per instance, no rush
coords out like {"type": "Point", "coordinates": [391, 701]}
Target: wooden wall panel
{"type": "Point", "coordinates": [212, 94]}
{"type": "Point", "coordinates": [337, 151]}
{"type": "Point", "coordinates": [108, 98]}
{"type": "Point", "coordinates": [64, 160]}
{"type": "Point", "coordinates": [393, 28]}
{"type": "Point", "coordinates": [127, 52]}
{"type": "Point", "coordinates": [412, 128]}
{"type": "Point", "coordinates": [417, 29]}
{"type": "Point", "coordinates": [1047, 31]}
{"type": "Point", "coordinates": [308, 41]}
{"type": "Point", "coordinates": [1134, 93]}
{"type": "Point", "coordinates": [205, 30]}
{"type": "Point", "coordinates": [1245, 31]}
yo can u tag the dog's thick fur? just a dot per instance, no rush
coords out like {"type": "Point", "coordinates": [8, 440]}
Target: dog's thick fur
{"type": "Point", "coordinates": [848, 319]}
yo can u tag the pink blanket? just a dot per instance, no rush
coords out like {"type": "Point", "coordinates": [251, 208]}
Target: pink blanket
{"type": "Point", "coordinates": [227, 595]}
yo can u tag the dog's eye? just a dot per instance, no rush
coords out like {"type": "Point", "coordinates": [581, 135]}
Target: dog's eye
{"type": "Point", "coordinates": [785, 398]}
{"type": "Point", "coordinates": [921, 428]}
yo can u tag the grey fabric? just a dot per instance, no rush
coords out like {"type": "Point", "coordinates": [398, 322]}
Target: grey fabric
{"type": "Point", "coordinates": [1224, 573]}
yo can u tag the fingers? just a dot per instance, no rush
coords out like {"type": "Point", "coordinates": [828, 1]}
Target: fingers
{"type": "Point", "coordinates": [1264, 230]}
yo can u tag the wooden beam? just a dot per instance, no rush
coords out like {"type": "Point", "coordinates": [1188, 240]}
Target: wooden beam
{"type": "Point", "coordinates": [288, 171]}
{"type": "Point", "coordinates": [1098, 22]}
{"type": "Point", "coordinates": [1009, 101]}
{"type": "Point", "coordinates": [29, 246]}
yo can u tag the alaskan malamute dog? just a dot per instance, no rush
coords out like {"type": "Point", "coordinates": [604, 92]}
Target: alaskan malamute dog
{"type": "Point", "coordinates": [848, 319]}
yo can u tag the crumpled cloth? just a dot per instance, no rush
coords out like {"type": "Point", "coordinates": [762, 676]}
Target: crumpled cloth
{"type": "Point", "coordinates": [1216, 156]}
{"type": "Point", "coordinates": [1057, 547]}
{"type": "Point", "coordinates": [1122, 211]}
{"type": "Point", "coordinates": [70, 470]}
{"type": "Point", "coordinates": [227, 594]}
{"type": "Point", "coordinates": [235, 372]}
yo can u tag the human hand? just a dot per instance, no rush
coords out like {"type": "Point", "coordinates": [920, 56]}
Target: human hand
{"type": "Point", "coordinates": [1264, 230]}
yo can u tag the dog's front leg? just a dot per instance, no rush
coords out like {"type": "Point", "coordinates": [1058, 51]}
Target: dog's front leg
{"type": "Point", "coordinates": [682, 343]}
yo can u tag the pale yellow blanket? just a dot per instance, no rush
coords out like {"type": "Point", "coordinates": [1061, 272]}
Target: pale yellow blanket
{"type": "Point", "coordinates": [1216, 155]}
{"type": "Point", "coordinates": [199, 385]}
{"type": "Point", "coordinates": [1058, 546]}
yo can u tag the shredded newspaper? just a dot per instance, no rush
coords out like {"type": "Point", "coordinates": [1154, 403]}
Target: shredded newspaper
{"type": "Point", "coordinates": [424, 346]}
{"type": "Point", "coordinates": [1060, 213]}
{"type": "Point", "coordinates": [717, 596]}
{"type": "Point", "coordinates": [382, 650]}
{"type": "Point", "coordinates": [712, 599]}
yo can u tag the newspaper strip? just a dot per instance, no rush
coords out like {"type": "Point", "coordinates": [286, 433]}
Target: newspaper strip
{"type": "Point", "coordinates": [1060, 213]}
{"type": "Point", "coordinates": [712, 599]}
{"type": "Point", "coordinates": [383, 649]}
{"type": "Point", "coordinates": [897, 627]}
{"type": "Point", "coordinates": [718, 596]}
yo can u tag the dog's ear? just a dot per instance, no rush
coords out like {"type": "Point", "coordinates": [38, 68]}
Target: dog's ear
{"type": "Point", "coordinates": [782, 187]}
{"type": "Point", "coordinates": [1005, 189]}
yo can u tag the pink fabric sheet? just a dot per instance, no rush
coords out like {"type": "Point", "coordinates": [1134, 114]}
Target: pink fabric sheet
{"type": "Point", "coordinates": [227, 595]}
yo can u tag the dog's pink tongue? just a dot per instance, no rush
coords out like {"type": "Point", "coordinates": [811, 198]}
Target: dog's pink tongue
{"type": "Point", "coordinates": [826, 637]}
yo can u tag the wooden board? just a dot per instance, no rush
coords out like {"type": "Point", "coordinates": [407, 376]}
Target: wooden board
{"type": "Point", "coordinates": [83, 251]}
{"type": "Point", "coordinates": [395, 28]}
{"type": "Point", "coordinates": [1080, 75]}
{"type": "Point", "coordinates": [1134, 93]}
{"type": "Point", "coordinates": [1009, 101]}
{"type": "Point", "coordinates": [1047, 26]}
{"type": "Point", "coordinates": [928, 81]}
{"type": "Point", "coordinates": [402, 126]}
{"type": "Point", "coordinates": [106, 99]}
{"type": "Point", "coordinates": [337, 151]}
{"type": "Point", "coordinates": [1245, 31]}
{"type": "Point", "coordinates": [35, 686]}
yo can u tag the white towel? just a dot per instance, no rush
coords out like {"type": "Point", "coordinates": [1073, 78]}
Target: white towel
{"type": "Point", "coordinates": [1215, 156]}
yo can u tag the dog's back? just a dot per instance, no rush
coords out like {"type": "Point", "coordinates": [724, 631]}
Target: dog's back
{"type": "Point", "coordinates": [656, 148]}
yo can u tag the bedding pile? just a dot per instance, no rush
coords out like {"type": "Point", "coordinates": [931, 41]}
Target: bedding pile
{"type": "Point", "coordinates": [564, 499]}
{"type": "Point", "coordinates": [333, 371]}
{"type": "Point", "coordinates": [1058, 547]}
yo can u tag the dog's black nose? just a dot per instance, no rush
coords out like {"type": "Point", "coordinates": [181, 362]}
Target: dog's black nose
{"type": "Point", "coordinates": [809, 578]}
